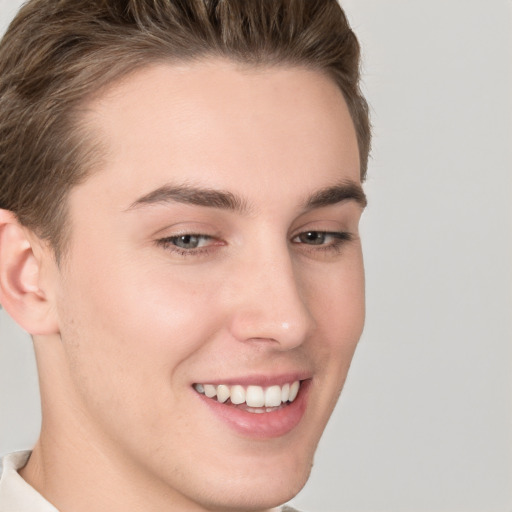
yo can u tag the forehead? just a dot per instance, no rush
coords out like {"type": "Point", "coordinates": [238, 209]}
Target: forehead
{"type": "Point", "coordinates": [216, 124]}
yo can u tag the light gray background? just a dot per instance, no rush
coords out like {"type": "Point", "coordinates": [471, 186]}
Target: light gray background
{"type": "Point", "coordinates": [425, 421]}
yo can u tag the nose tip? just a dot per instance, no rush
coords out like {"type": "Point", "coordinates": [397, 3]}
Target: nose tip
{"type": "Point", "coordinates": [272, 307]}
{"type": "Point", "coordinates": [262, 322]}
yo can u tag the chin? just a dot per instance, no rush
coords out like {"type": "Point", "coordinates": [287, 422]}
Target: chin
{"type": "Point", "coordinates": [255, 482]}
{"type": "Point", "coordinates": [258, 495]}
{"type": "Point", "coordinates": [266, 484]}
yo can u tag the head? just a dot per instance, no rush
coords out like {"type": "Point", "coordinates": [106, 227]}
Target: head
{"type": "Point", "coordinates": [57, 56]}
{"type": "Point", "coordinates": [181, 194]}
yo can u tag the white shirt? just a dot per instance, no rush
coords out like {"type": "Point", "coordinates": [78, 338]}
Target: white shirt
{"type": "Point", "coordinates": [18, 496]}
{"type": "Point", "coordinates": [15, 494]}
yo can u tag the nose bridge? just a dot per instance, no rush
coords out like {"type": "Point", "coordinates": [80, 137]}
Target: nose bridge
{"type": "Point", "coordinates": [271, 302]}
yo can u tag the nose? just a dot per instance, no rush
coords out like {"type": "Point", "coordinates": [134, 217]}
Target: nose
{"type": "Point", "coordinates": [270, 302]}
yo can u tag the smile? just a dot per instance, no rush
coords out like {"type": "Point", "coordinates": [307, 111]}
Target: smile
{"type": "Point", "coordinates": [256, 399]}
{"type": "Point", "coordinates": [264, 410]}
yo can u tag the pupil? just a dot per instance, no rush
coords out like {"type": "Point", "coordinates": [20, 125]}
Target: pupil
{"type": "Point", "coordinates": [314, 237]}
{"type": "Point", "coordinates": [188, 241]}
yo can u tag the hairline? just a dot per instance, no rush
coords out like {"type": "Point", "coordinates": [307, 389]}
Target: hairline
{"type": "Point", "coordinates": [95, 147]}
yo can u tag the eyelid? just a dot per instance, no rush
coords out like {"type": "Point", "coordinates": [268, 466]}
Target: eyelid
{"type": "Point", "coordinates": [185, 227]}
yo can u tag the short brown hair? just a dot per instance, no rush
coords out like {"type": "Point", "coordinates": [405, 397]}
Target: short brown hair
{"type": "Point", "coordinates": [56, 54]}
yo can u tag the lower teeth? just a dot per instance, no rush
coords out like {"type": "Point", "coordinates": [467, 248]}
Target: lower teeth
{"type": "Point", "coordinates": [259, 410]}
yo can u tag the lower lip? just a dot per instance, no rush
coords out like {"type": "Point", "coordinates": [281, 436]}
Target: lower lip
{"type": "Point", "coordinates": [264, 425]}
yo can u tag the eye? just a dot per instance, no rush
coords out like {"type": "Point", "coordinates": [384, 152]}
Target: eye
{"type": "Point", "coordinates": [322, 243]}
{"type": "Point", "coordinates": [312, 237]}
{"type": "Point", "coordinates": [189, 241]}
{"type": "Point", "coordinates": [322, 238]}
{"type": "Point", "coordinates": [187, 244]}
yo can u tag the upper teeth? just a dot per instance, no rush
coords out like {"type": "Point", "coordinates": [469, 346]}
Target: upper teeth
{"type": "Point", "coordinates": [253, 396]}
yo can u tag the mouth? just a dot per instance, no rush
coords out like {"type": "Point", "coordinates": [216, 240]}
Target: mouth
{"type": "Point", "coordinates": [252, 399]}
{"type": "Point", "coordinates": [256, 411]}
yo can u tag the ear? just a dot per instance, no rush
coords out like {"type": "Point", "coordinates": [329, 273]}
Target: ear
{"type": "Point", "coordinates": [20, 278]}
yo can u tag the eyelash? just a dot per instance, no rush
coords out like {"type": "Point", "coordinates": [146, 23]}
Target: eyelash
{"type": "Point", "coordinates": [169, 243]}
{"type": "Point", "coordinates": [339, 239]}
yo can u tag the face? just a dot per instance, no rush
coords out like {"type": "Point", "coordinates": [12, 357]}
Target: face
{"type": "Point", "coordinates": [211, 297]}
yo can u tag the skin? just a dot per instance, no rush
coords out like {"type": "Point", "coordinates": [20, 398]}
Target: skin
{"type": "Point", "coordinates": [132, 323]}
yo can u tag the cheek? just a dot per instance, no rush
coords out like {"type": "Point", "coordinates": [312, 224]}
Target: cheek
{"type": "Point", "coordinates": [338, 307]}
{"type": "Point", "coordinates": [337, 298]}
{"type": "Point", "coordinates": [125, 327]}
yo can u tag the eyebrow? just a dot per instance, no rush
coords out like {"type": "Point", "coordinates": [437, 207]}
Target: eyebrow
{"type": "Point", "coordinates": [345, 191]}
{"type": "Point", "coordinates": [225, 200]}
{"type": "Point", "coordinates": [186, 194]}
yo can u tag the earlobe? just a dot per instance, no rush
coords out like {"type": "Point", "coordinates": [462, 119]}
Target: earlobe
{"type": "Point", "coordinates": [20, 279]}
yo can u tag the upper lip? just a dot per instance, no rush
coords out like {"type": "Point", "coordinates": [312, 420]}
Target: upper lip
{"type": "Point", "coordinates": [258, 379]}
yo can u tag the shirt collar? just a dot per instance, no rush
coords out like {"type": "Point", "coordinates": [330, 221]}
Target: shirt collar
{"type": "Point", "coordinates": [16, 494]}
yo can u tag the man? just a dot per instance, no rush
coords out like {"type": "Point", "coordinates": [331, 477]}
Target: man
{"type": "Point", "coordinates": [180, 194]}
